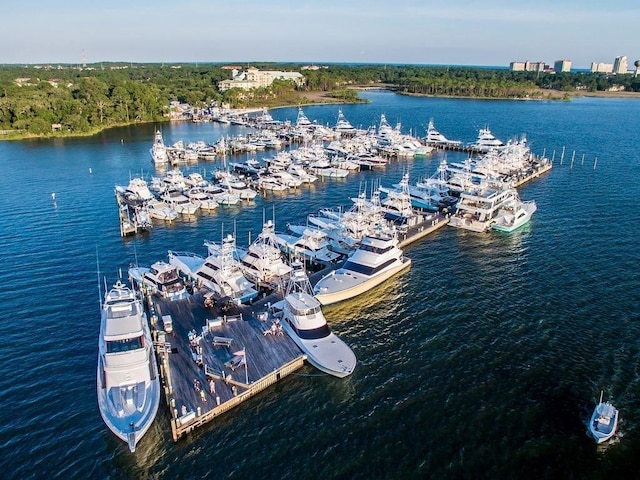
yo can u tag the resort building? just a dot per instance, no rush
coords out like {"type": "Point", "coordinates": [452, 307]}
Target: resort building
{"type": "Point", "coordinates": [620, 65]}
{"type": "Point", "coordinates": [528, 66]}
{"type": "Point", "coordinates": [254, 78]}
{"type": "Point", "coordinates": [562, 65]}
{"type": "Point", "coordinates": [601, 67]}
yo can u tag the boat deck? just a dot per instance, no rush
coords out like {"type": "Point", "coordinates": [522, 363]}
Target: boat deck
{"type": "Point", "coordinates": [205, 346]}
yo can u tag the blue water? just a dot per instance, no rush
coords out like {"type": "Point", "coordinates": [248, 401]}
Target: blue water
{"type": "Point", "coordinates": [484, 360]}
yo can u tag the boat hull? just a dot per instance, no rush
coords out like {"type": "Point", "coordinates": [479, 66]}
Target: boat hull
{"type": "Point", "coordinates": [338, 296]}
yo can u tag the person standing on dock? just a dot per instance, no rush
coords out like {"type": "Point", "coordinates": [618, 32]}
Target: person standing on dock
{"type": "Point", "coordinates": [212, 387]}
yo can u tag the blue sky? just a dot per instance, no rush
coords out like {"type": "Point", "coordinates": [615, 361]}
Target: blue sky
{"type": "Point", "coordinates": [454, 32]}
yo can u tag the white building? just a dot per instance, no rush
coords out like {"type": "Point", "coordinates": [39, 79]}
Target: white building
{"type": "Point", "coordinates": [620, 65]}
{"type": "Point", "coordinates": [562, 65]}
{"type": "Point", "coordinates": [601, 67]}
{"type": "Point", "coordinates": [254, 78]}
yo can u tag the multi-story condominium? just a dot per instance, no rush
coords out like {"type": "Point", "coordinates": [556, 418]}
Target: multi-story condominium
{"type": "Point", "coordinates": [562, 65]}
{"type": "Point", "coordinates": [527, 66]}
{"type": "Point", "coordinates": [601, 67]}
{"type": "Point", "coordinates": [620, 65]}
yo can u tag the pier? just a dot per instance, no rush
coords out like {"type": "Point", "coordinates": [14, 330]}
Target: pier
{"type": "Point", "coordinates": [212, 361]}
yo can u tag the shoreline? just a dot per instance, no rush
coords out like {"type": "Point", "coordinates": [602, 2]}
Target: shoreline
{"type": "Point", "coordinates": [321, 98]}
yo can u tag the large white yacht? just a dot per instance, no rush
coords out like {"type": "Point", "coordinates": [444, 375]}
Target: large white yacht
{"type": "Point", "coordinates": [221, 274]}
{"type": "Point", "coordinates": [304, 322]}
{"type": "Point", "coordinates": [161, 278]}
{"type": "Point", "coordinates": [128, 385]}
{"type": "Point", "coordinates": [377, 258]}
{"type": "Point", "coordinates": [478, 208]}
{"type": "Point", "coordinates": [179, 202]}
{"type": "Point", "coordinates": [159, 150]}
{"type": "Point", "coordinates": [486, 141]}
{"type": "Point", "coordinates": [262, 263]}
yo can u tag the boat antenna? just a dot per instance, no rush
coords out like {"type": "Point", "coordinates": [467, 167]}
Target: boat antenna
{"type": "Point", "coordinates": [98, 272]}
{"type": "Point", "coordinates": [601, 394]}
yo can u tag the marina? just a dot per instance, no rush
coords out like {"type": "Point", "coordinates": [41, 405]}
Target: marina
{"type": "Point", "coordinates": [493, 331]}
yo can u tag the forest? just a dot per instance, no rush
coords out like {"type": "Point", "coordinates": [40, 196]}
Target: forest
{"type": "Point", "coordinates": [43, 101]}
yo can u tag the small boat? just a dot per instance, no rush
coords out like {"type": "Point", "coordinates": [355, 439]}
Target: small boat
{"type": "Point", "coordinates": [128, 384]}
{"type": "Point", "coordinates": [604, 421]}
{"type": "Point", "coordinates": [303, 321]}
{"type": "Point", "coordinates": [161, 278]}
{"type": "Point", "coordinates": [513, 215]}
{"type": "Point", "coordinates": [158, 149]}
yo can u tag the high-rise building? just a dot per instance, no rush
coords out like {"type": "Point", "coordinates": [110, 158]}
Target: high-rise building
{"type": "Point", "coordinates": [601, 67]}
{"type": "Point", "coordinates": [562, 65]}
{"type": "Point", "coordinates": [620, 65]}
{"type": "Point", "coordinates": [517, 66]}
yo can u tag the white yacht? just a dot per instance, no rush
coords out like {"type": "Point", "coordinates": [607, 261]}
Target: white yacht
{"type": "Point", "coordinates": [221, 273]}
{"type": "Point", "coordinates": [199, 197]}
{"type": "Point", "coordinates": [179, 202]}
{"type": "Point", "coordinates": [377, 258]}
{"type": "Point", "coordinates": [312, 243]}
{"type": "Point", "coordinates": [477, 208]}
{"type": "Point", "coordinates": [161, 278]}
{"type": "Point", "coordinates": [343, 126]}
{"type": "Point", "coordinates": [486, 141]}
{"type": "Point", "coordinates": [262, 263]}
{"type": "Point", "coordinates": [128, 385]}
{"type": "Point", "coordinates": [161, 211]}
{"type": "Point", "coordinates": [302, 319]}
{"type": "Point", "coordinates": [514, 214]}
{"type": "Point", "coordinates": [159, 150]}
{"type": "Point", "coordinates": [136, 192]}
{"type": "Point", "coordinates": [437, 139]}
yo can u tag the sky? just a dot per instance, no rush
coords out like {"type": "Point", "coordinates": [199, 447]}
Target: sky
{"type": "Point", "coordinates": [444, 32]}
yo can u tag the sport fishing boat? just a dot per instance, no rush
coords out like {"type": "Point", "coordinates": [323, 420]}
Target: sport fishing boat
{"type": "Point", "coordinates": [128, 385]}
{"type": "Point", "coordinates": [604, 421]}
{"type": "Point", "coordinates": [377, 258]}
{"type": "Point", "coordinates": [304, 322]}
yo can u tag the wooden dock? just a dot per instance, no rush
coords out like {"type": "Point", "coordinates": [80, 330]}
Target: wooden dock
{"type": "Point", "coordinates": [543, 168]}
{"type": "Point", "coordinates": [429, 224]}
{"type": "Point", "coordinates": [213, 361]}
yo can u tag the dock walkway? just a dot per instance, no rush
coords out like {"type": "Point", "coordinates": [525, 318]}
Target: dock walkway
{"type": "Point", "coordinates": [202, 378]}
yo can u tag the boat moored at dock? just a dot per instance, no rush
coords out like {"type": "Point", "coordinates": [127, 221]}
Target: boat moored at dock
{"type": "Point", "coordinates": [377, 258]}
{"type": "Point", "coordinates": [128, 385]}
{"type": "Point", "coordinates": [302, 319]}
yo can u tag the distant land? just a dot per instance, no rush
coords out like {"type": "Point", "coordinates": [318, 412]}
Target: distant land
{"type": "Point", "coordinates": [63, 100]}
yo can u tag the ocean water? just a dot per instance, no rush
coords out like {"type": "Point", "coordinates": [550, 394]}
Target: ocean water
{"type": "Point", "coordinates": [484, 360]}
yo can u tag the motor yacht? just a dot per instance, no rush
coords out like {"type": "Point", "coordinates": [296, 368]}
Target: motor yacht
{"type": "Point", "coordinates": [377, 258]}
{"type": "Point", "coordinates": [128, 385]}
{"type": "Point", "coordinates": [221, 273]}
{"type": "Point", "coordinates": [302, 319]}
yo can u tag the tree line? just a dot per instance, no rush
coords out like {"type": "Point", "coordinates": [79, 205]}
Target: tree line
{"type": "Point", "coordinates": [68, 100]}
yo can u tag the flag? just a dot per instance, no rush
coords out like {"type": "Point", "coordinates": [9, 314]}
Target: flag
{"type": "Point", "coordinates": [239, 353]}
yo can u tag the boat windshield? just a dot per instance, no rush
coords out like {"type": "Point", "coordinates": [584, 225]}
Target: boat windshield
{"type": "Point", "coordinates": [125, 345]}
{"type": "Point", "coordinates": [374, 249]}
{"type": "Point", "coordinates": [314, 333]}
{"type": "Point", "coordinates": [366, 269]}
{"type": "Point", "coordinates": [307, 312]}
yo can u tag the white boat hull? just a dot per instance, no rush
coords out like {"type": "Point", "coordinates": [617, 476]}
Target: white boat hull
{"type": "Point", "coordinates": [340, 295]}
